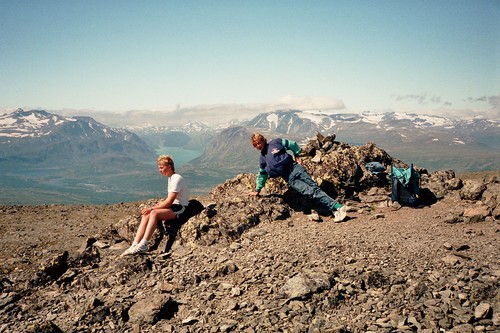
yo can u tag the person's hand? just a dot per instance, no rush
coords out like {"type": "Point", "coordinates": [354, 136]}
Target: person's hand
{"type": "Point", "coordinates": [298, 160]}
{"type": "Point", "coordinates": [255, 193]}
{"type": "Point", "coordinates": [146, 210]}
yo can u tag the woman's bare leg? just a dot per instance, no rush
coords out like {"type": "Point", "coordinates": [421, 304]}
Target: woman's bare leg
{"type": "Point", "coordinates": [155, 216]}
{"type": "Point", "coordinates": [142, 228]}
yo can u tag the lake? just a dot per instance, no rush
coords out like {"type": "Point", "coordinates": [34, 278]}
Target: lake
{"type": "Point", "coordinates": [181, 156]}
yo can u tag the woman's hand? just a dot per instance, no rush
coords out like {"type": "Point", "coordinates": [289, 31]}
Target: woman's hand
{"type": "Point", "coordinates": [255, 193]}
{"type": "Point", "coordinates": [147, 210]}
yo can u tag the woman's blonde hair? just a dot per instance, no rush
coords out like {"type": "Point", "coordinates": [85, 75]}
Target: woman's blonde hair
{"type": "Point", "coordinates": [166, 160]}
{"type": "Point", "coordinates": [257, 137]}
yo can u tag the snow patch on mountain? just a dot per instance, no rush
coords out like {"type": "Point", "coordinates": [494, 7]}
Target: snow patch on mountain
{"type": "Point", "coordinates": [372, 118]}
{"type": "Point", "coordinates": [21, 124]}
{"type": "Point", "coordinates": [316, 118]}
{"type": "Point", "coordinates": [273, 119]}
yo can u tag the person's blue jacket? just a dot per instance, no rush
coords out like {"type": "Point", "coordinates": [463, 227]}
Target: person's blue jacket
{"type": "Point", "coordinates": [274, 161]}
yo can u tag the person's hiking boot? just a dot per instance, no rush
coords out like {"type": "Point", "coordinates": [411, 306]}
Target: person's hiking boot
{"type": "Point", "coordinates": [340, 214]}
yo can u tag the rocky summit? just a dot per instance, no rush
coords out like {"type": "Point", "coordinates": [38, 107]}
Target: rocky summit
{"type": "Point", "coordinates": [274, 263]}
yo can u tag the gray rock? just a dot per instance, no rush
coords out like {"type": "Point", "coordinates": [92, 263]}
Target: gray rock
{"type": "Point", "coordinates": [151, 309]}
{"type": "Point", "coordinates": [482, 310]}
{"type": "Point", "coordinates": [305, 283]}
{"type": "Point", "coordinates": [472, 190]}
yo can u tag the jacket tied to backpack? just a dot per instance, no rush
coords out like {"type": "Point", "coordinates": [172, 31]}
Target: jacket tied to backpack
{"type": "Point", "coordinates": [405, 185]}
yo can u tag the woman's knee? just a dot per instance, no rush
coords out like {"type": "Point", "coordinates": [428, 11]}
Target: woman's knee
{"type": "Point", "coordinates": [153, 216]}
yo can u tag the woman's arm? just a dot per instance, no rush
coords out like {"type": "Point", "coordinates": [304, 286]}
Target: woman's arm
{"type": "Point", "coordinates": [167, 202]}
{"type": "Point", "coordinates": [162, 204]}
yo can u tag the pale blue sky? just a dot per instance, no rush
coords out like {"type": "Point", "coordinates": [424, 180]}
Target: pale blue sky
{"type": "Point", "coordinates": [395, 55]}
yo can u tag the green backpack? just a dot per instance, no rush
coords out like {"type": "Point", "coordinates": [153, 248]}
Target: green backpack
{"type": "Point", "coordinates": [405, 186]}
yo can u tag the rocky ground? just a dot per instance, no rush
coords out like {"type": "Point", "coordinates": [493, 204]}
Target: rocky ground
{"type": "Point", "coordinates": [248, 264]}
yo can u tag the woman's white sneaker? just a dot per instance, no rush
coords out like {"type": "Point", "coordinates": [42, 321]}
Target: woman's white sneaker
{"type": "Point", "coordinates": [140, 248]}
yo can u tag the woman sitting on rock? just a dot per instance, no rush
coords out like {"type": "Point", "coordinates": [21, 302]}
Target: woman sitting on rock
{"type": "Point", "coordinates": [169, 209]}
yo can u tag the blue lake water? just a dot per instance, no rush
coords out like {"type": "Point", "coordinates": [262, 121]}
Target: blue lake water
{"type": "Point", "coordinates": [181, 156]}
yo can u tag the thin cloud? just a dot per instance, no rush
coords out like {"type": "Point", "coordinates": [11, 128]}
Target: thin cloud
{"type": "Point", "coordinates": [493, 101]}
{"type": "Point", "coordinates": [422, 99]}
{"type": "Point", "coordinates": [308, 103]}
{"type": "Point", "coordinates": [478, 99]}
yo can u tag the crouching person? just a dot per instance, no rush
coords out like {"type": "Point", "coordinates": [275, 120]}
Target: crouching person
{"type": "Point", "coordinates": [274, 161]}
{"type": "Point", "coordinates": [169, 209]}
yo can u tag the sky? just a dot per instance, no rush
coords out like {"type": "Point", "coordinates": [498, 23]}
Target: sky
{"type": "Point", "coordinates": [439, 57]}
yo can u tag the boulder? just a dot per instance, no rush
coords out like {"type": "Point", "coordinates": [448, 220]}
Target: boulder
{"type": "Point", "coordinates": [472, 190]}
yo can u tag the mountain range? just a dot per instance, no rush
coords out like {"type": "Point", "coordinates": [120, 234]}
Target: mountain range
{"type": "Point", "coordinates": [48, 158]}
{"type": "Point", "coordinates": [47, 139]}
{"type": "Point", "coordinates": [46, 155]}
{"type": "Point", "coordinates": [388, 128]}
{"type": "Point", "coordinates": [432, 142]}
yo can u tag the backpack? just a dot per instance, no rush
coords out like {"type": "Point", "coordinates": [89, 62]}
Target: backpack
{"type": "Point", "coordinates": [405, 186]}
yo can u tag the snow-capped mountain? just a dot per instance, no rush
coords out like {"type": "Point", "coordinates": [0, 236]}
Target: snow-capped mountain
{"type": "Point", "coordinates": [39, 123]}
{"type": "Point", "coordinates": [296, 122]}
{"type": "Point", "coordinates": [429, 141]}
{"type": "Point", "coordinates": [387, 128]}
{"type": "Point", "coordinates": [189, 127]}
{"type": "Point", "coordinates": [22, 124]}
{"type": "Point", "coordinates": [44, 137]}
